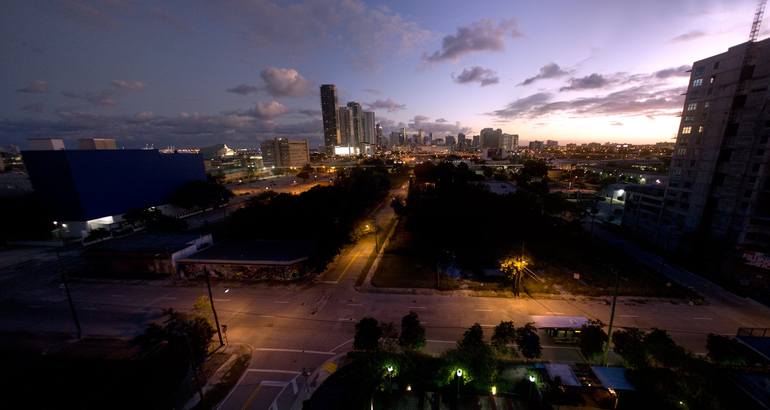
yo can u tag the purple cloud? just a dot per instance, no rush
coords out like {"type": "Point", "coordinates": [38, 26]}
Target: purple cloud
{"type": "Point", "coordinates": [476, 74]}
{"type": "Point", "coordinates": [388, 105]}
{"type": "Point", "coordinates": [550, 70]}
{"type": "Point", "coordinates": [243, 89]}
{"type": "Point", "coordinates": [35, 87]}
{"type": "Point", "coordinates": [483, 35]}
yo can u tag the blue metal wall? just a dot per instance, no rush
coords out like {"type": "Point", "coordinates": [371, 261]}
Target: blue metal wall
{"type": "Point", "coordinates": [81, 185]}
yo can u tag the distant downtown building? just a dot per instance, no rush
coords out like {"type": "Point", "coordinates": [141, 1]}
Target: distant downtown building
{"type": "Point", "coordinates": [347, 126]}
{"type": "Point", "coordinates": [284, 153]}
{"type": "Point", "coordinates": [718, 179]}
{"type": "Point", "coordinates": [329, 114]}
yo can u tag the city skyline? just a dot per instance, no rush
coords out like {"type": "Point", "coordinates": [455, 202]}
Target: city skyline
{"type": "Point", "coordinates": [247, 71]}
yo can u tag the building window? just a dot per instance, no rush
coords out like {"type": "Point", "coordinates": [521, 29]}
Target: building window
{"type": "Point", "coordinates": [700, 129]}
{"type": "Point", "coordinates": [686, 130]}
{"type": "Point", "coordinates": [681, 151]}
{"type": "Point", "coordinates": [706, 105]}
{"type": "Point", "coordinates": [712, 79]}
{"type": "Point", "coordinates": [697, 82]}
{"type": "Point", "coordinates": [699, 70]}
{"type": "Point", "coordinates": [676, 172]}
{"type": "Point", "coordinates": [689, 118]}
{"type": "Point", "coordinates": [716, 65]}
{"type": "Point", "coordinates": [692, 106]}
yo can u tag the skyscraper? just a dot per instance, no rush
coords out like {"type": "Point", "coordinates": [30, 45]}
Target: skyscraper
{"type": "Point", "coordinates": [719, 185]}
{"type": "Point", "coordinates": [357, 117]}
{"type": "Point", "coordinates": [329, 114]}
{"type": "Point", "coordinates": [345, 123]}
{"type": "Point", "coordinates": [369, 128]}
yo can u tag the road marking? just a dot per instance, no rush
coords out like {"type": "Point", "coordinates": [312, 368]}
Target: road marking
{"type": "Point", "coordinates": [266, 316]}
{"type": "Point", "coordinates": [441, 341]}
{"type": "Point", "coordinates": [488, 325]}
{"type": "Point", "coordinates": [243, 376]}
{"type": "Point", "coordinates": [341, 344]}
{"type": "Point", "coordinates": [560, 347]}
{"type": "Point", "coordinates": [702, 318]}
{"type": "Point", "coordinates": [270, 349]}
{"type": "Point", "coordinates": [222, 300]}
{"type": "Point", "coordinates": [344, 319]}
{"type": "Point", "coordinates": [273, 383]}
{"type": "Point", "coordinates": [251, 397]}
{"type": "Point", "coordinates": [272, 371]}
{"type": "Point", "coordinates": [483, 310]}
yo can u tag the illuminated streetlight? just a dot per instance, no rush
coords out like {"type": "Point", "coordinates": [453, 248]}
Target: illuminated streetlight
{"type": "Point", "coordinates": [459, 373]}
{"type": "Point", "coordinates": [494, 390]}
{"type": "Point", "coordinates": [532, 378]}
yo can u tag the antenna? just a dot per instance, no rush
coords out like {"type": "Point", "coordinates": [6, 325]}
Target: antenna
{"type": "Point", "coordinates": [758, 15]}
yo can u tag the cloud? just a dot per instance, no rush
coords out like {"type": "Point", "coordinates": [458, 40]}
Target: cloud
{"type": "Point", "coordinates": [269, 110]}
{"type": "Point", "coordinates": [616, 123]}
{"type": "Point", "coordinates": [35, 87]}
{"type": "Point", "coordinates": [690, 35]}
{"type": "Point", "coordinates": [103, 98]}
{"type": "Point", "coordinates": [550, 70]}
{"type": "Point", "coordinates": [681, 71]}
{"type": "Point", "coordinates": [476, 74]}
{"type": "Point", "coordinates": [243, 89]}
{"type": "Point", "coordinates": [128, 85]}
{"type": "Point", "coordinates": [586, 83]}
{"type": "Point", "coordinates": [36, 107]}
{"type": "Point", "coordinates": [373, 91]}
{"type": "Point", "coordinates": [310, 113]}
{"type": "Point", "coordinates": [145, 128]}
{"type": "Point", "coordinates": [441, 120]}
{"type": "Point", "coordinates": [355, 31]}
{"type": "Point", "coordinates": [388, 105]}
{"type": "Point", "coordinates": [482, 35]}
{"type": "Point", "coordinates": [633, 101]}
{"type": "Point", "coordinates": [421, 122]}
{"type": "Point", "coordinates": [285, 82]}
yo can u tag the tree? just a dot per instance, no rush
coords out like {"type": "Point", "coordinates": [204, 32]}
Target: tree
{"type": "Point", "coordinates": [473, 339]}
{"type": "Point", "coordinates": [592, 339]}
{"type": "Point", "coordinates": [514, 269]}
{"type": "Point", "coordinates": [476, 356]}
{"type": "Point", "coordinates": [663, 349]}
{"type": "Point", "coordinates": [368, 333]}
{"type": "Point", "coordinates": [629, 344]}
{"type": "Point", "coordinates": [412, 333]}
{"type": "Point", "coordinates": [504, 335]}
{"type": "Point", "coordinates": [389, 341]}
{"type": "Point", "coordinates": [726, 350]}
{"type": "Point", "coordinates": [188, 336]}
{"type": "Point", "coordinates": [528, 341]}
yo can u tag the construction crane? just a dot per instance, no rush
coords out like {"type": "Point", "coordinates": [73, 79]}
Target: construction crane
{"type": "Point", "coordinates": [758, 15]}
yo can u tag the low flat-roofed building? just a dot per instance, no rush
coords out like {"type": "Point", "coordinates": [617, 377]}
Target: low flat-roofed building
{"type": "Point", "coordinates": [254, 260]}
{"type": "Point", "coordinates": [143, 254]}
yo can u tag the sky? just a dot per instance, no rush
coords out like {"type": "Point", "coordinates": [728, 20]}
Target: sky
{"type": "Point", "coordinates": [199, 72]}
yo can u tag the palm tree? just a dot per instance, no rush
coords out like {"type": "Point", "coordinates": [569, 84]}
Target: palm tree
{"type": "Point", "coordinates": [513, 268]}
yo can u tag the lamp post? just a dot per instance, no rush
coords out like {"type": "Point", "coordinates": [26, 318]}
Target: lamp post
{"type": "Point", "coordinates": [459, 374]}
{"type": "Point", "coordinates": [612, 315]}
{"type": "Point", "coordinates": [390, 378]}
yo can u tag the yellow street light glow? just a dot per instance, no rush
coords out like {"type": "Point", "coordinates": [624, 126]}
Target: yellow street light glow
{"type": "Point", "coordinates": [494, 390]}
{"type": "Point", "coordinates": [389, 369]}
{"type": "Point", "coordinates": [408, 387]}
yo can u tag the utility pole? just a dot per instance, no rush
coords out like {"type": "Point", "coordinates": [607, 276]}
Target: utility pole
{"type": "Point", "coordinates": [612, 316]}
{"type": "Point", "coordinates": [69, 295]}
{"type": "Point", "coordinates": [211, 299]}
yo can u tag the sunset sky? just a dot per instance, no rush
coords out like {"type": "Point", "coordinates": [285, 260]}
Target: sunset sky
{"type": "Point", "coordinates": [192, 73]}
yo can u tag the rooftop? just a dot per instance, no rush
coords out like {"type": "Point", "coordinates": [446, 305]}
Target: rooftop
{"type": "Point", "coordinates": [146, 242]}
{"type": "Point", "coordinates": [273, 251]}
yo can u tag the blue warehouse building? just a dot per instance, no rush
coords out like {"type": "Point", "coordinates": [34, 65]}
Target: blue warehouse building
{"type": "Point", "coordinates": [91, 188]}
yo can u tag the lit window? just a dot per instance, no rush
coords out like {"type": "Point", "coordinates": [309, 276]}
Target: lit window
{"type": "Point", "coordinates": [700, 129]}
{"type": "Point", "coordinates": [692, 106]}
{"type": "Point", "coordinates": [697, 82]}
{"type": "Point", "coordinates": [689, 118]}
{"type": "Point", "coordinates": [712, 79]}
{"type": "Point", "coordinates": [681, 151]}
{"type": "Point", "coordinates": [706, 105]}
{"type": "Point", "coordinates": [686, 130]}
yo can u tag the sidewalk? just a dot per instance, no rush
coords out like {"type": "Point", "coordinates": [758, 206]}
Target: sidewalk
{"type": "Point", "coordinates": [316, 379]}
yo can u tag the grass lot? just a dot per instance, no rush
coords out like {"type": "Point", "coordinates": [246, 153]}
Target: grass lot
{"type": "Point", "coordinates": [404, 265]}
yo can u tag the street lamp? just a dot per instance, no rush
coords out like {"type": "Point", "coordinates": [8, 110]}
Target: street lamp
{"type": "Point", "coordinates": [459, 374]}
{"type": "Point", "coordinates": [390, 377]}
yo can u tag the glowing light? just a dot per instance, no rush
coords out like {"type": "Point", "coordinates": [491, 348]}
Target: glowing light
{"type": "Point", "coordinates": [459, 372]}
{"type": "Point", "coordinates": [532, 378]}
{"type": "Point", "coordinates": [227, 290]}
{"type": "Point", "coordinates": [408, 387]}
{"type": "Point", "coordinates": [389, 369]}
{"type": "Point", "coordinates": [494, 390]}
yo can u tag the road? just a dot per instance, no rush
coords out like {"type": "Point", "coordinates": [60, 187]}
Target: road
{"type": "Point", "coordinates": [300, 326]}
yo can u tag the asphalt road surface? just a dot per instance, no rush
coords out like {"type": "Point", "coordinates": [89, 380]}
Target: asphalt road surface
{"type": "Point", "coordinates": [300, 326]}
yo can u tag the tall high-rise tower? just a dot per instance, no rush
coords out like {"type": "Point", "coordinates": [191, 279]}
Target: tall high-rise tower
{"type": "Point", "coordinates": [357, 115]}
{"type": "Point", "coordinates": [329, 113]}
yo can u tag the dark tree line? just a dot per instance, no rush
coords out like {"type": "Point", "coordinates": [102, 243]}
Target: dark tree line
{"type": "Point", "coordinates": [324, 215]}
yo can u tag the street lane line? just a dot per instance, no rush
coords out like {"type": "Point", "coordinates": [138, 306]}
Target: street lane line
{"type": "Point", "coordinates": [272, 371]}
{"type": "Point", "coordinates": [273, 383]}
{"type": "Point", "coordinates": [441, 341]}
{"type": "Point", "coordinates": [488, 325]}
{"type": "Point", "coordinates": [482, 310]}
{"type": "Point", "coordinates": [270, 349]}
{"type": "Point", "coordinates": [222, 300]}
{"type": "Point", "coordinates": [417, 307]}
{"type": "Point", "coordinates": [243, 376]}
{"type": "Point", "coordinates": [251, 397]}
{"type": "Point", "coordinates": [561, 347]}
{"type": "Point", "coordinates": [266, 316]}
{"type": "Point", "coordinates": [628, 316]}
{"type": "Point", "coordinates": [702, 318]}
{"type": "Point", "coordinates": [341, 344]}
